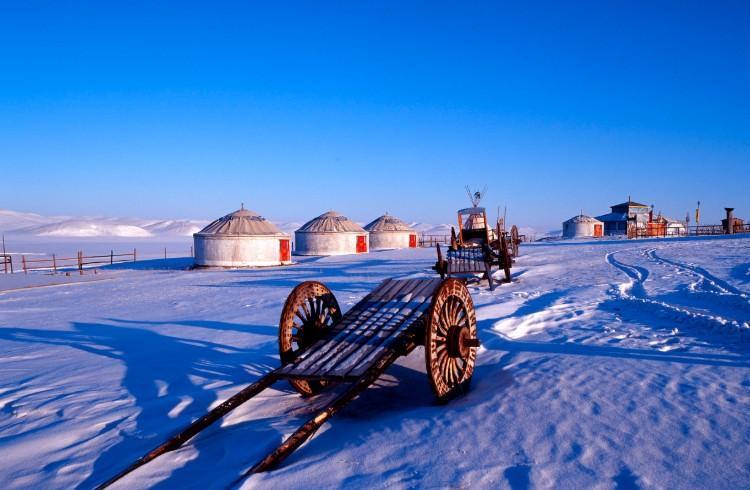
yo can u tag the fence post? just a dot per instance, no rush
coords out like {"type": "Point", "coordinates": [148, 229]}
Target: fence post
{"type": "Point", "coordinates": [191, 251]}
{"type": "Point", "coordinates": [54, 264]}
{"type": "Point", "coordinates": [133, 255]}
{"type": "Point", "coordinates": [23, 261]}
{"type": "Point", "coordinates": [165, 253]}
{"type": "Point", "coordinates": [111, 257]}
{"type": "Point", "coordinates": [80, 262]}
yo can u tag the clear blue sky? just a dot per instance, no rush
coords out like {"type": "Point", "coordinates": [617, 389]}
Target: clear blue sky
{"type": "Point", "coordinates": [185, 110]}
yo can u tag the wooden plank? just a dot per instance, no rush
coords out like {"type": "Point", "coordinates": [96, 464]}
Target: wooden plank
{"type": "Point", "coordinates": [399, 324]}
{"type": "Point", "coordinates": [387, 342]}
{"type": "Point", "coordinates": [362, 310]}
{"type": "Point", "coordinates": [389, 322]}
{"type": "Point", "coordinates": [324, 347]}
{"type": "Point", "coordinates": [344, 342]}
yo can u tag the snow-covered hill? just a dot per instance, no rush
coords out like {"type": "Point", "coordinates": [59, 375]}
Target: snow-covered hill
{"type": "Point", "coordinates": [35, 225]}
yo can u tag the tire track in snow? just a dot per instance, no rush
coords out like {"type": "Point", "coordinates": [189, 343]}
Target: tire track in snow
{"type": "Point", "coordinates": [705, 282]}
{"type": "Point", "coordinates": [634, 291]}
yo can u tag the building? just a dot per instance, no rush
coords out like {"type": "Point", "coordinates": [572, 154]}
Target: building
{"type": "Point", "coordinates": [241, 239]}
{"type": "Point", "coordinates": [730, 224]}
{"type": "Point", "coordinates": [331, 234]}
{"type": "Point", "coordinates": [662, 226]}
{"type": "Point", "coordinates": [388, 232]}
{"type": "Point", "coordinates": [582, 226]}
{"type": "Point", "coordinates": [628, 214]}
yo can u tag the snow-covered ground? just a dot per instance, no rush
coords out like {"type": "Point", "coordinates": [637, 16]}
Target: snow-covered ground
{"type": "Point", "coordinates": [612, 364]}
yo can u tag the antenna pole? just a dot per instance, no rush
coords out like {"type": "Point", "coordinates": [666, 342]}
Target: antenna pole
{"type": "Point", "coordinates": [3, 243]}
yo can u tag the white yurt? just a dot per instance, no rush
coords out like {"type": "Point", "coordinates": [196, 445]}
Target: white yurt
{"type": "Point", "coordinates": [390, 232]}
{"type": "Point", "coordinates": [241, 239]}
{"type": "Point", "coordinates": [582, 226]}
{"type": "Point", "coordinates": [331, 234]}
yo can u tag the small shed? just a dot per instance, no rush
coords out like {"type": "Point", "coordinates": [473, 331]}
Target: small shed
{"type": "Point", "coordinates": [241, 239]}
{"type": "Point", "coordinates": [583, 226]}
{"type": "Point", "coordinates": [331, 233]}
{"type": "Point", "coordinates": [389, 232]}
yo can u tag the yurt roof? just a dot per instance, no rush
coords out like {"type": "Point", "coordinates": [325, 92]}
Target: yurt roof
{"type": "Point", "coordinates": [331, 222]}
{"type": "Point", "coordinates": [582, 218]}
{"type": "Point", "coordinates": [242, 222]}
{"type": "Point", "coordinates": [387, 223]}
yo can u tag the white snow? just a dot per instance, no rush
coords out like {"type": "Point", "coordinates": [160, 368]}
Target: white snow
{"type": "Point", "coordinates": [16, 223]}
{"type": "Point", "coordinates": [604, 364]}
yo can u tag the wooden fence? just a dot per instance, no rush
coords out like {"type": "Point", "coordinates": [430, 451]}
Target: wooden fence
{"type": "Point", "coordinates": [7, 261]}
{"type": "Point", "coordinates": [79, 262]}
{"type": "Point", "coordinates": [700, 230]}
{"type": "Point", "coordinates": [432, 240]}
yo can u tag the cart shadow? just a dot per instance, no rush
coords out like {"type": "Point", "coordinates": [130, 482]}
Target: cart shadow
{"type": "Point", "coordinates": [159, 376]}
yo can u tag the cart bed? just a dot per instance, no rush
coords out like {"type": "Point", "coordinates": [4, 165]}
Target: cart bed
{"type": "Point", "coordinates": [367, 331]}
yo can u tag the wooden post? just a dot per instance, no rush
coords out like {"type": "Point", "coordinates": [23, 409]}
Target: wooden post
{"type": "Point", "coordinates": [54, 264]}
{"type": "Point", "coordinates": [23, 262]}
{"type": "Point", "coordinates": [191, 251]}
{"type": "Point", "coordinates": [165, 253]}
{"type": "Point", "coordinates": [111, 257]}
{"type": "Point", "coordinates": [133, 255]}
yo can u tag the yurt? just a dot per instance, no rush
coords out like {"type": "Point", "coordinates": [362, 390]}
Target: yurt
{"type": "Point", "coordinates": [582, 226]}
{"type": "Point", "coordinates": [390, 232]}
{"type": "Point", "coordinates": [331, 234]}
{"type": "Point", "coordinates": [241, 239]}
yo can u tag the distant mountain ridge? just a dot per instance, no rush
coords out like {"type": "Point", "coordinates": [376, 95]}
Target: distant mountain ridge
{"type": "Point", "coordinates": [31, 224]}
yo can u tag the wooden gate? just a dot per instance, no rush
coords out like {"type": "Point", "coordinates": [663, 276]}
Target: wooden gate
{"type": "Point", "coordinates": [285, 254]}
{"type": "Point", "coordinates": [361, 244]}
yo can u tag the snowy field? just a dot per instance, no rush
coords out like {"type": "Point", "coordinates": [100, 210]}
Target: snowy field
{"type": "Point", "coordinates": [613, 364]}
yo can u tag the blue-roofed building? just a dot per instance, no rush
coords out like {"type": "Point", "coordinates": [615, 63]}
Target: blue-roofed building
{"type": "Point", "coordinates": [616, 222]}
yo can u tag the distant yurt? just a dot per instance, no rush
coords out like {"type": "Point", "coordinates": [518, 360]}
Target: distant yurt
{"type": "Point", "coordinates": [331, 234]}
{"type": "Point", "coordinates": [582, 226]}
{"type": "Point", "coordinates": [387, 232]}
{"type": "Point", "coordinates": [241, 239]}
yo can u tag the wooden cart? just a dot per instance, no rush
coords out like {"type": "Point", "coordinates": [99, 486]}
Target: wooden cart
{"type": "Point", "coordinates": [320, 347]}
{"type": "Point", "coordinates": [476, 249]}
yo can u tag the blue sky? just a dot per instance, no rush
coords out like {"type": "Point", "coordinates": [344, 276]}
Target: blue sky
{"type": "Point", "coordinates": [186, 109]}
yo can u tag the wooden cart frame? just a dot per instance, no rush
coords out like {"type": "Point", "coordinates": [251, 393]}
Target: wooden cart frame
{"type": "Point", "coordinates": [474, 250]}
{"type": "Point", "coordinates": [319, 346]}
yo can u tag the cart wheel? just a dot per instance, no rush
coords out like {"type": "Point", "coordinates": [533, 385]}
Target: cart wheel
{"type": "Point", "coordinates": [515, 240]}
{"type": "Point", "coordinates": [505, 258]}
{"type": "Point", "coordinates": [309, 312]}
{"type": "Point", "coordinates": [451, 340]}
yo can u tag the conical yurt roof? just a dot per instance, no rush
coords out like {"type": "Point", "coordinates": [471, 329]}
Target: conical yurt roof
{"type": "Point", "coordinates": [387, 223]}
{"type": "Point", "coordinates": [582, 218]}
{"type": "Point", "coordinates": [331, 222]}
{"type": "Point", "coordinates": [242, 222]}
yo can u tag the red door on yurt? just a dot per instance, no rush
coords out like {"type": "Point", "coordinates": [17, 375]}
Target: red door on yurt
{"type": "Point", "coordinates": [285, 253]}
{"type": "Point", "coordinates": [361, 244]}
{"type": "Point", "coordinates": [598, 231]}
{"type": "Point", "coordinates": [412, 241]}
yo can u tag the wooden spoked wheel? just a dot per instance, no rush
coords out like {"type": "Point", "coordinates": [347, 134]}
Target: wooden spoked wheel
{"type": "Point", "coordinates": [506, 259]}
{"type": "Point", "coordinates": [451, 340]}
{"type": "Point", "coordinates": [309, 312]}
{"type": "Point", "coordinates": [515, 240]}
